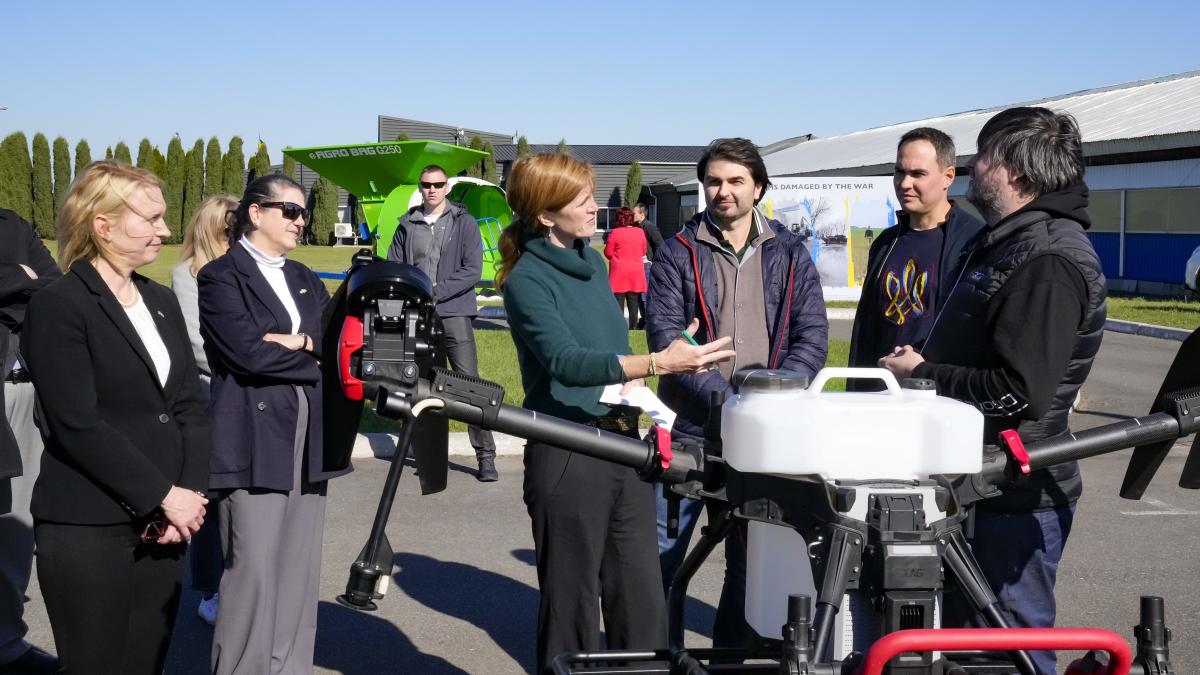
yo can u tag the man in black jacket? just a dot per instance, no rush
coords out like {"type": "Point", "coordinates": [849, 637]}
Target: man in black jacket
{"type": "Point", "coordinates": [912, 267]}
{"type": "Point", "coordinates": [442, 239]}
{"type": "Point", "coordinates": [25, 267]}
{"type": "Point", "coordinates": [1017, 338]}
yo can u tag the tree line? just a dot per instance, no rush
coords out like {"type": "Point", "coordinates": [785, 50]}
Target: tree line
{"type": "Point", "coordinates": [34, 180]}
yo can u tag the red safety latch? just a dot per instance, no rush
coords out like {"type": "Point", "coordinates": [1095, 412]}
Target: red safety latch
{"type": "Point", "coordinates": [349, 342]}
{"type": "Point", "coordinates": [1016, 449]}
{"type": "Point", "coordinates": [662, 444]}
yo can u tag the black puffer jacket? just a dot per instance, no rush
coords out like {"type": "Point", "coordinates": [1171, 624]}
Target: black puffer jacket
{"type": "Point", "coordinates": [1020, 330]}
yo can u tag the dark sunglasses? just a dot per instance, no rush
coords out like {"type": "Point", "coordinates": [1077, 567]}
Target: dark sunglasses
{"type": "Point", "coordinates": [290, 211]}
{"type": "Point", "coordinates": [433, 186]}
{"type": "Point", "coordinates": [154, 530]}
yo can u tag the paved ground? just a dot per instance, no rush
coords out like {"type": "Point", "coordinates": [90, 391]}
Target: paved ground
{"type": "Point", "coordinates": [465, 594]}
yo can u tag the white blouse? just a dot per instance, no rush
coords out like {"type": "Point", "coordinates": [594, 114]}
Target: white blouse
{"type": "Point", "coordinates": [147, 330]}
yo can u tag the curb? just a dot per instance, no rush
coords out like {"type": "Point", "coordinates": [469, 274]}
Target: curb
{"type": "Point", "coordinates": [1147, 330]}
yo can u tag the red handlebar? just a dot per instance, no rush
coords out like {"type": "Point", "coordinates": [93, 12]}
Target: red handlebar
{"type": "Point", "coordinates": [998, 639]}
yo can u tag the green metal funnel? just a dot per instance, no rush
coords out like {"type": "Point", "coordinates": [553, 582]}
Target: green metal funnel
{"type": "Point", "coordinates": [372, 170]}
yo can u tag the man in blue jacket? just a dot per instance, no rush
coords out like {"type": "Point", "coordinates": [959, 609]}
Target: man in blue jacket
{"type": "Point", "coordinates": [912, 267]}
{"type": "Point", "coordinates": [740, 275]}
{"type": "Point", "coordinates": [442, 239]}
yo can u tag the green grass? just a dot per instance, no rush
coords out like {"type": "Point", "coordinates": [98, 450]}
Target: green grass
{"type": "Point", "coordinates": [842, 304]}
{"type": "Point", "coordinates": [498, 363]}
{"type": "Point", "coordinates": [1173, 312]}
{"type": "Point", "coordinates": [317, 258]}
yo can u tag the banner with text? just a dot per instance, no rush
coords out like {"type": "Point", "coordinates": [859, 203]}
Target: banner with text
{"type": "Point", "coordinates": [838, 217]}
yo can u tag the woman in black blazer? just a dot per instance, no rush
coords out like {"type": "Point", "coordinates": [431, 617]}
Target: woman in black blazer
{"type": "Point", "coordinates": [126, 433]}
{"type": "Point", "coordinates": [260, 316]}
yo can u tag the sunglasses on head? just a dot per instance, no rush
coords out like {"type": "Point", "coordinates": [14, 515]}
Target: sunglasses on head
{"type": "Point", "coordinates": [427, 185]}
{"type": "Point", "coordinates": [290, 210]}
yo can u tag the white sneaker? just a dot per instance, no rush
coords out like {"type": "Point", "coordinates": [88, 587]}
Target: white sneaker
{"type": "Point", "coordinates": [208, 609]}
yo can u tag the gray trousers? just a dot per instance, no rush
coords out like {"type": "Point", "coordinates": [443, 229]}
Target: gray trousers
{"type": "Point", "coordinates": [267, 624]}
{"type": "Point", "coordinates": [16, 525]}
{"type": "Point", "coordinates": [459, 341]}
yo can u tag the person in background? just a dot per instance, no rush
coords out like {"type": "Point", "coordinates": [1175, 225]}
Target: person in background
{"type": "Point", "coordinates": [126, 459]}
{"type": "Point", "coordinates": [204, 240]}
{"type": "Point", "coordinates": [654, 239]}
{"type": "Point", "coordinates": [25, 267]}
{"type": "Point", "coordinates": [593, 521]}
{"type": "Point", "coordinates": [912, 267]}
{"type": "Point", "coordinates": [625, 250]}
{"type": "Point", "coordinates": [260, 317]}
{"type": "Point", "coordinates": [442, 239]}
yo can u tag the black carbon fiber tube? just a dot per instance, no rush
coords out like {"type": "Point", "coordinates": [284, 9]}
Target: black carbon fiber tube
{"type": "Point", "coordinates": [1091, 442]}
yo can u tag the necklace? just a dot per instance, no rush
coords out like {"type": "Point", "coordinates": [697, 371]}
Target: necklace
{"type": "Point", "coordinates": [133, 302]}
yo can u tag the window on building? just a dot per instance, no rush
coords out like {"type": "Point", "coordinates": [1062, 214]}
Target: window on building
{"type": "Point", "coordinates": [1175, 210]}
{"type": "Point", "coordinates": [1104, 207]}
{"type": "Point", "coordinates": [688, 205]}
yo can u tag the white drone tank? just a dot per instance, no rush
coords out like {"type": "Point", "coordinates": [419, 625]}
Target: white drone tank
{"type": "Point", "coordinates": [775, 425]}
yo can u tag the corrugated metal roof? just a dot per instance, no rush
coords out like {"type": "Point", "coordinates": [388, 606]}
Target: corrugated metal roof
{"type": "Point", "coordinates": [1137, 111]}
{"type": "Point", "coordinates": [614, 154]}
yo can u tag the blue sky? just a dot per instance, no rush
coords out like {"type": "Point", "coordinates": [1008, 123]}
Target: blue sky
{"type": "Point", "coordinates": [317, 73]}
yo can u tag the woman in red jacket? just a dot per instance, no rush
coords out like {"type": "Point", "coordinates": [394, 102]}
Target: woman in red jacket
{"type": "Point", "coordinates": [625, 250]}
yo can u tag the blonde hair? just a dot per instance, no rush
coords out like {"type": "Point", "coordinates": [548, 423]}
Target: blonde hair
{"type": "Point", "coordinates": [538, 183]}
{"type": "Point", "coordinates": [103, 188]}
{"type": "Point", "coordinates": [206, 238]}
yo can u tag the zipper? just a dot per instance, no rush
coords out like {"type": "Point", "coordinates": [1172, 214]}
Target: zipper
{"type": "Point", "coordinates": [966, 264]}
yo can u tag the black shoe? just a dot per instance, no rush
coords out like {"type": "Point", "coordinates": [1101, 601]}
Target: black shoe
{"type": "Point", "coordinates": [487, 470]}
{"type": "Point", "coordinates": [33, 660]}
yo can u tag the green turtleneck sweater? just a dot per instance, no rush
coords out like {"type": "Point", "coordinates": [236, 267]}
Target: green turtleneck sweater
{"type": "Point", "coordinates": [567, 328]}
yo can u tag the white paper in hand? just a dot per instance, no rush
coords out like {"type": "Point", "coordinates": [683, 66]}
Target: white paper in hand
{"type": "Point", "coordinates": [640, 397]}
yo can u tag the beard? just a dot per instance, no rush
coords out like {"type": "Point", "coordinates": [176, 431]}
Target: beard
{"type": "Point", "coordinates": [985, 196]}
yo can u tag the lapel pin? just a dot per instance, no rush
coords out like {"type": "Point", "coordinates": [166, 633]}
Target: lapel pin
{"type": "Point", "coordinates": [303, 291]}
{"type": "Point", "coordinates": [159, 312]}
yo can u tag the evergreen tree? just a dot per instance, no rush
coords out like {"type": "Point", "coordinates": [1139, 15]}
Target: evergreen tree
{"type": "Point", "coordinates": [476, 169]}
{"type": "Point", "coordinates": [403, 136]}
{"type": "Point", "coordinates": [633, 184]}
{"type": "Point", "coordinates": [62, 170]}
{"type": "Point", "coordinates": [260, 164]}
{"type": "Point", "coordinates": [234, 172]}
{"type": "Point", "coordinates": [213, 168]}
{"type": "Point", "coordinates": [289, 167]}
{"type": "Point", "coordinates": [16, 175]}
{"type": "Point", "coordinates": [43, 187]}
{"type": "Point", "coordinates": [158, 164]}
{"type": "Point", "coordinates": [490, 173]}
{"type": "Point", "coordinates": [324, 200]}
{"type": "Point", "coordinates": [108, 153]}
{"type": "Point", "coordinates": [145, 158]}
{"type": "Point", "coordinates": [193, 184]}
{"type": "Point", "coordinates": [173, 190]}
{"type": "Point", "coordinates": [122, 154]}
{"type": "Point", "coordinates": [523, 147]}
{"type": "Point", "coordinates": [563, 148]}
{"type": "Point", "coordinates": [83, 157]}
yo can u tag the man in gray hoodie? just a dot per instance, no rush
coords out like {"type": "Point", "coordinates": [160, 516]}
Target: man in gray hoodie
{"type": "Point", "coordinates": [442, 239]}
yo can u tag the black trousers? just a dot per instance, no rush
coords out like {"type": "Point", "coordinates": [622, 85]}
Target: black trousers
{"type": "Point", "coordinates": [595, 538]}
{"type": "Point", "coordinates": [458, 342]}
{"type": "Point", "coordinates": [630, 301]}
{"type": "Point", "coordinates": [111, 600]}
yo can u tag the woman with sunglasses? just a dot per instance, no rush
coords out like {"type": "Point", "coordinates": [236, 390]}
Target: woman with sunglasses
{"type": "Point", "coordinates": [125, 428]}
{"type": "Point", "coordinates": [594, 531]}
{"type": "Point", "coordinates": [260, 317]}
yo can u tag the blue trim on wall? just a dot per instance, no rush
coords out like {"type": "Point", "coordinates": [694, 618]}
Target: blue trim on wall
{"type": "Point", "coordinates": [1157, 257]}
{"type": "Point", "coordinates": [1108, 247]}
